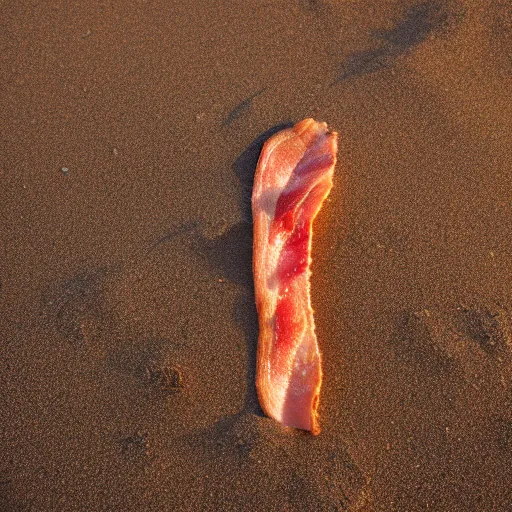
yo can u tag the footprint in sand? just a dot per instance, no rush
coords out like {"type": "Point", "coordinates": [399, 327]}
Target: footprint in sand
{"type": "Point", "coordinates": [487, 326]}
{"type": "Point", "coordinates": [75, 306]}
{"type": "Point", "coordinates": [419, 340]}
{"type": "Point", "coordinates": [472, 341]}
{"type": "Point", "coordinates": [306, 473]}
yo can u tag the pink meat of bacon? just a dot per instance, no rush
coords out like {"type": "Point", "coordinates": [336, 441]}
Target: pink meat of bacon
{"type": "Point", "coordinates": [293, 177]}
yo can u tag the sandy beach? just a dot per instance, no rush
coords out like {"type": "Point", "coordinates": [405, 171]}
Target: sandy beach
{"type": "Point", "coordinates": [128, 330]}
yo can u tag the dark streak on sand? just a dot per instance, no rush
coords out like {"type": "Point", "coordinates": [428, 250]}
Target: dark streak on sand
{"type": "Point", "coordinates": [184, 229]}
{"type": "Point", "coordinates": [242, 108]}
{"type": "Point", "coordinates": [419, 22]}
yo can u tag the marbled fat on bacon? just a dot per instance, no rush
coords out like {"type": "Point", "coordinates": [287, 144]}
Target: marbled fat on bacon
{"type": "Point", "coordinates": [293, 177]}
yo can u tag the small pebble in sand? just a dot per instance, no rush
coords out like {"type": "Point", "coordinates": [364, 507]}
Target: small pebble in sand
{"type": "Point", "coordinates": [64, 170]}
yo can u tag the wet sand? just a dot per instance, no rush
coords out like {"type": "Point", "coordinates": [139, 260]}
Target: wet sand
{"type": "Point", "coordinates": [130, 134]}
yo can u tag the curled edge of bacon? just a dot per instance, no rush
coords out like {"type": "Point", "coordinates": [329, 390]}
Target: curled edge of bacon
{"type": "Point", "coordinates": [293, 177]}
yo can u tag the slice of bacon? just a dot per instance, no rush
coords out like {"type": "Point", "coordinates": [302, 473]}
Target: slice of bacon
{"type": "Point", "coordinates": [293, 177]}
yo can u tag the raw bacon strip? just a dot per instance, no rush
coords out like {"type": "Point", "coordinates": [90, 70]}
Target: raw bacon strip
{"type": "Point", "coordinates": [293, 177]}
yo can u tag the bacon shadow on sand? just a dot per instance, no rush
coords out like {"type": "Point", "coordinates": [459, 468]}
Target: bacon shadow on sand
{"type": "Point", "coordinates": [231, 255]}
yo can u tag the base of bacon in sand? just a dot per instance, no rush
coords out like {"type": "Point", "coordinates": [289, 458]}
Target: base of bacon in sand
{"type": "Point", "coordinates": [293, 177]}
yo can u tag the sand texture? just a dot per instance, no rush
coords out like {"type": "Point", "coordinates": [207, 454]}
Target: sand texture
{"type": "Point", "coordinates": [130, 135]}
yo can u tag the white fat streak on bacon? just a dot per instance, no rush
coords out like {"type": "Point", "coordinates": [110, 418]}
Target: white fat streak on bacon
{"type": "Point", "coordinates": [300, 159]}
